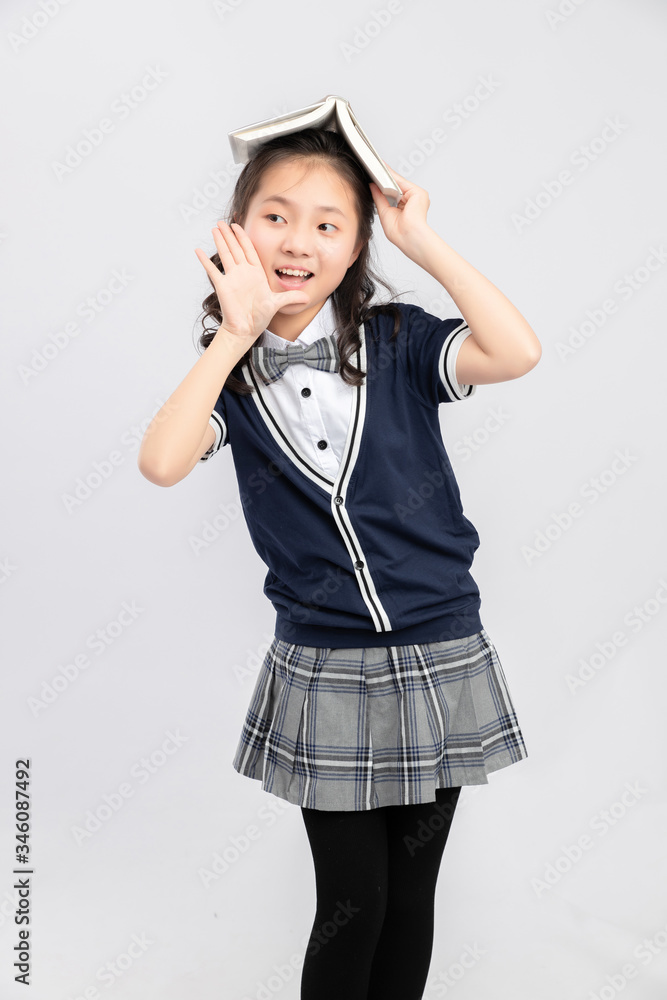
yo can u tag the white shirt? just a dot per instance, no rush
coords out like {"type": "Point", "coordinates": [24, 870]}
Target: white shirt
{"type": "Point", "coordinates": [323, 414]}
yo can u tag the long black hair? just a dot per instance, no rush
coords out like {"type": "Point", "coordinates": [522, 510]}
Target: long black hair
{"type": "Point", "coordinates": [351, 299]}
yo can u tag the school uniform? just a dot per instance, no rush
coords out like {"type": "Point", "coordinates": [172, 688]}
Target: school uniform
{"type": "Point", "coordinates": [381, 683]}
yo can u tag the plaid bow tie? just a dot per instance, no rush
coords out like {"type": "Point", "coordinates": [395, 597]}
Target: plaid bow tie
{"type": "Point", "coordinates": [273, 361]}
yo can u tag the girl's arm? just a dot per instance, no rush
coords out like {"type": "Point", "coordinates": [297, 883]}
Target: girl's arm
{"type": "Point", "coordinates": [502, 345]}
{"type": "Point", "coordinates": [180, 432]}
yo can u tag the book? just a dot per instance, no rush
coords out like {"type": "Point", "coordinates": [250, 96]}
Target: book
{"type": "Point", "coordinates": [333, 113]}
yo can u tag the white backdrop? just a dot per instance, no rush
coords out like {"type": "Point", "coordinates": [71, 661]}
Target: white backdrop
{"type": "Point", "coordinates": [130, 649]}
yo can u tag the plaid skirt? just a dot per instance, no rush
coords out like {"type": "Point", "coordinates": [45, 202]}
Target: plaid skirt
{"type": "Point", "coordinates": [361, 728]}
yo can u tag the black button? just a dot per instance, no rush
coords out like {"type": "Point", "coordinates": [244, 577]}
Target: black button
{"type": "Point", "coordinates": [338, 499]}
{"type": "Point", "coordinates": [358, 564]}
{"type": "Point", "coordinates": [305, 392]}
{"type": "Point", "coordinates": [321, 444]}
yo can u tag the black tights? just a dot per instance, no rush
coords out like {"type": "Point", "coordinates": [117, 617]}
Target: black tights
{"type": "Point", "coordinates": [375, 875]}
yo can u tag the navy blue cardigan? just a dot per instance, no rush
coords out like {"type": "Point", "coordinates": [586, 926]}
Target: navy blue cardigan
{"type": "Point", "coordinates": [380, 555]}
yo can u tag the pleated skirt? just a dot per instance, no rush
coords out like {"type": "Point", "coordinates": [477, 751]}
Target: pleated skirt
{"type": "Point", "coordinates": [362, 728]}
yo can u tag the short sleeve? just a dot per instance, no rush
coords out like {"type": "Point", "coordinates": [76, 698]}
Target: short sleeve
{"type": "Point", "coordinates": [218, 421]}
{"type": "Point", "coordinates": [429, 347]}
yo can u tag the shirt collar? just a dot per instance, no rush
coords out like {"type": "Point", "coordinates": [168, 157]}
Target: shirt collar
{"type": "Point", "coordinates": [320, 325]}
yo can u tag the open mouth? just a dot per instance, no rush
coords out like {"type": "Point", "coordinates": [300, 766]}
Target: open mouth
{"type": "Point", "coordinates": [297, 278]}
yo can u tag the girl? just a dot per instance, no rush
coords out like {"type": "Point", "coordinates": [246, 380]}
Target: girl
{"type": "Point", "coordinates": [381, 693]}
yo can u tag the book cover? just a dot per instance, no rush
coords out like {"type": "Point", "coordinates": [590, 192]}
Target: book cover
{"type": "Point", "coordinates": [333, 113]}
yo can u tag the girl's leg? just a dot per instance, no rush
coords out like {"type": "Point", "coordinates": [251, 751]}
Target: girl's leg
{"type": "Point", "coordinates": [416, 837]}
{"type": "Point", "coordinates": [350, 856]}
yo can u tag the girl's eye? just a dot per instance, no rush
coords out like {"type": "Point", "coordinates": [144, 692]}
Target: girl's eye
{"type": "Point", "coordinates": [274, 215]}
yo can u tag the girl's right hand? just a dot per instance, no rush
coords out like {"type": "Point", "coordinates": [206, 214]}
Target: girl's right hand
{"type": "Point", "coordinates": [246, 301]}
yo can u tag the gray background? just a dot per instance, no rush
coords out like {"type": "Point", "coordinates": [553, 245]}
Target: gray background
{"type": "Point", "coordinates": [186, 664]}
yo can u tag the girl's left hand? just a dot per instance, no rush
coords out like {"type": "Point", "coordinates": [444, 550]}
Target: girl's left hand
{"type": "Point", "coordinates": [402, 223]}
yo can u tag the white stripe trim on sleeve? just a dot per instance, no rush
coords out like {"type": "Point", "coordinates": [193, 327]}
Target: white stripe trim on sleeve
{"type": "Point", "coordinates": [218, 425]}
{"type": "Point", "coordinates": [447, 364]}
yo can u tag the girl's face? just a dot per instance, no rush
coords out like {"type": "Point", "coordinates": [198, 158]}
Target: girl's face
{"type": "Point", "coordinates": [303, 217]}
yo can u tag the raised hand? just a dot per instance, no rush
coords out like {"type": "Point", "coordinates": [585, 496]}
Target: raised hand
{"type": "Point", "coordinates": [402, 224]}
{"type": "Point", "coordinates": [247, 302]}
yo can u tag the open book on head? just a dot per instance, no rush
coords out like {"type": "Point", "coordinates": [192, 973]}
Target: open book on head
{"type": "Point", "coordinates": [334, 113]}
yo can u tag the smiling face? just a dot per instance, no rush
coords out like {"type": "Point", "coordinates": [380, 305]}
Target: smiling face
{"type": "Point", "coordinates": [303, 217]}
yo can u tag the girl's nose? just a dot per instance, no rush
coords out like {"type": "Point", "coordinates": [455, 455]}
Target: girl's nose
{"type": "Point", "coordinates": [298, 241]}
